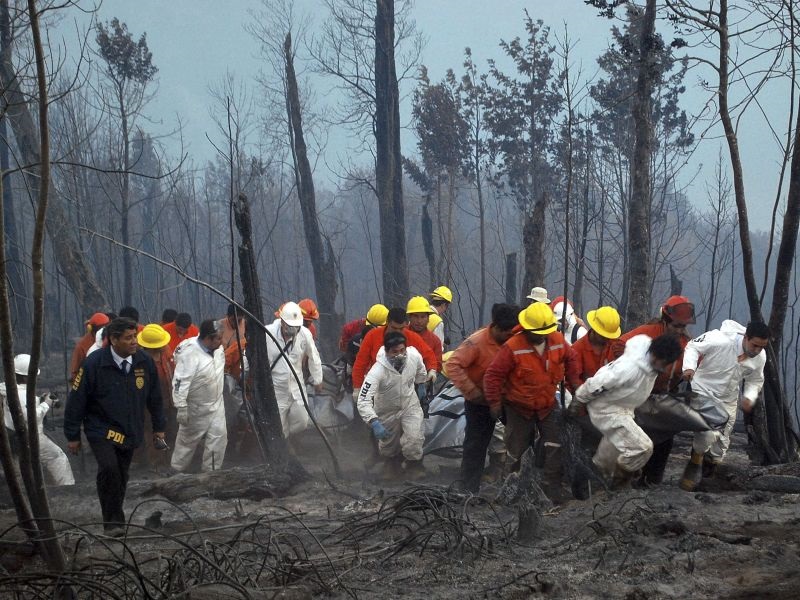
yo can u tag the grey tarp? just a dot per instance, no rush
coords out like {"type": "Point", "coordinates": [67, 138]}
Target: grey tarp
{"type": "Point", "coordinates": [444, 427]}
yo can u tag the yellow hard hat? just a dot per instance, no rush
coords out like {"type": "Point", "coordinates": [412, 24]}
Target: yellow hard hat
{"type": "Point", "coordinates": [377, 314]}
{"type": "Point", "coordinates": [433, 321]}
{"type": "Point", "coordinates": [419, 304]}
{"type": "Point", "coordinates": [605, 322]}
{"type": "Point", "coordinates": [442, 293]}
{"type": "Point", "coordinates": [538, 318]}
{"type": "Point", "coordinates": [153, 336]}
{"type": "Point", "coordinates": [445, 357]}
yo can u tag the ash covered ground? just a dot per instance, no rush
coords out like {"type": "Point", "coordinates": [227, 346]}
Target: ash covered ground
{"type": "Point", "coordinates": [360, 537]}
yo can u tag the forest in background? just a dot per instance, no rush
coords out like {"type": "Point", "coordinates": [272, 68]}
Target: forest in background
{"type": "Point", "coordinates": [535, 174]}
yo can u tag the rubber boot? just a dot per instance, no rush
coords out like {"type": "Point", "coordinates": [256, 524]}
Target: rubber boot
{"type": "Point", "coordinates": [497, 465]}
{"type": "Point", "coordinates": [392, 468]}
{"type": "Point", "coordinates": [693, 474]}
{"type": "Point", "coordinates": [622, 480]}
{"type": "Point", "coordinates": [653, 471]}
{"type": "Point", "coordinates": [709, 467]}
{"type": "Point", "coordinates": [414, 470]}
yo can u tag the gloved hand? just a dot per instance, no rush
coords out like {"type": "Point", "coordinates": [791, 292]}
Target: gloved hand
{"type": "Point", "coordinates": [576, 409]}
{"type": "Point", "coordinates": [431, 375]}
{"type": "Point", "coordinates": [183, 416]}
{"type": "Point", "coordinates": [378, 430]}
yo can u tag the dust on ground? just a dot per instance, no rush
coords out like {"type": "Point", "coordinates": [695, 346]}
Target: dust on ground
{"type": "Point", "coordinates": [360, 537]}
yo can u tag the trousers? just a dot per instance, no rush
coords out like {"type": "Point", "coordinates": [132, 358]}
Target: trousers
{"type": "Point", "coordinates": [520, 435]}
{"type": "Point", "coordinates": [478, 435]}
{"type": "Point", "coordinates": [113, 463]}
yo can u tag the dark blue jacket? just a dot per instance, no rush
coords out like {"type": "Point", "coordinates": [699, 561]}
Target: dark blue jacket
{"type": "Point", "coordinates": [108, 402]}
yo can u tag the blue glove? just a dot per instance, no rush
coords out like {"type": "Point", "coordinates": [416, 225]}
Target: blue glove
{"type": "Point", "coordinates": [379, 430]}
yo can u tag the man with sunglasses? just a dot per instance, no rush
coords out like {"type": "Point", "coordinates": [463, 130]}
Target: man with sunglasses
{"type": "Point", "coordinates": [723, 365]}
{"type": "Point", "coordinates": [677, 313]}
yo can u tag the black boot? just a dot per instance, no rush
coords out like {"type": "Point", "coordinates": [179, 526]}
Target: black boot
{"type": "Point", "coordinates": [653, 471]}
{"type": "Point", "coordinates": [709, 467]}
{"type": "Point", "coordinates": [693, 474]}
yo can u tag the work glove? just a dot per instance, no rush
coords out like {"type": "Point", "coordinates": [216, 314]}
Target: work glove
{"type": "Point", "coordinates": [576, 409]}
{"type": "Point", "coordinates": [431, 375]}
{"type": "Point", "coordinates": [378, 430]}
{"type": "Point", "coordinates": [183, 416]}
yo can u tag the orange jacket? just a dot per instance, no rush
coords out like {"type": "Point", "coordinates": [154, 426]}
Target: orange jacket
{"type": "Point", "coordinates": [79, 354]}
{"type": "Point", "coordinates": [589, 362]}
{"type": "Point", "coordinates": [165, 367]}
{"type": "Point", "coordinates": [175, 339]}
{"type": "Point", "coordinates": [233, 364]}
{"type": "Point", "coordinates": [468, 363]}
{"type": "Point", "coordinates": [349, 331]}
{"type": "Point", "coordinates": [373, 342]}
{"type": "Point", "coordinates": [668, 380]}
{"type": "Point", "coordinates": [435, 344]}
{"type": "Point", "coordinates": [522, 378]}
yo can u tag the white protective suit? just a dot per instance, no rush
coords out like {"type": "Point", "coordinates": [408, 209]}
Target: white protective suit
{"type": "Point", "coordinates": [54, 461]}
{"type": "Point", "coordinates": [294, 416]}
{"type": "Point", "coordinates": [714, 357]}
{"type": "Point", "coordinates": [390, 397]}
{"type": "Point", "coordinates": [612, 395]}
{"type": "Point", "coordinates": [198, 384]}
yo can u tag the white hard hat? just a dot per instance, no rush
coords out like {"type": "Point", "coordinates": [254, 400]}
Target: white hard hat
{"type": "Point", "coordinates": [21, 364]}
{"type": "Point", "coordinates": [558, 309]}
{"type": "Point", "coordinates": [291, 314]}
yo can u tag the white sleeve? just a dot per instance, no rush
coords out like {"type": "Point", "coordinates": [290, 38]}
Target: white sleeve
{"type": "Point", "coordinates": [366, 396]}
{"type": "Point", "coordinates": [314, 361]}
{"type": "Point", "coordinates": [41, 411]}
{"type": "Point", "coordinates": [695, 349]}
{"type": "Point", "coordinates": [753, 382]}
{"type": "Point", "coordinates": [607, 378]}
{"type": "Point", "coordinates": [421, 376]}
{"type": "Point", "coordinates": [185, 370]}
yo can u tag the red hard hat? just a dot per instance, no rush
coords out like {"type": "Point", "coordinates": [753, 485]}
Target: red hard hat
{"type": "Point", "coordinates": [679, 309]}
{"type": "Point", "coordinates": [309, 308]}
{"type": "Point", "coordinates": [98, 319]}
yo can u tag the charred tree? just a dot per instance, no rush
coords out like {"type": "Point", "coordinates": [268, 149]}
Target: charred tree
{"type": "Point", "coordinates": [320, 250]}
{"type": "Point", "coordinates": [388, 160]}
{"type": "Point", "coordinates": [638, 305]}
{"type": "Point", "coordinates": [71, 261]}
{"type": "Point", "coordinates": [533, 239]}
{"type": "Point", "coordinates": [261, 396]}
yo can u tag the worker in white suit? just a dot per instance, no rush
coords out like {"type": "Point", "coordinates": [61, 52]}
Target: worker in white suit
{"type": "Point", "coordinates": [717, 363]}
{"type": "Point", "coordinates": [197, 393]}
{"type": "Point", "coordinates": [53, 459]}
{"type": "Point", "coordinates": [389, 404]}
{"type": "Point", "coordinates": [298, 347]}
{"type": "Point", "coordinates": [613, 394]}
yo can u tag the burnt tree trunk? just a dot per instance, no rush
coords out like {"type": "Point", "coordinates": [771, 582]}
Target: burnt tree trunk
{"type": "Point", "coordinates": [323, 259]}
{"type": "Point", "coordinates": [427, 242]}
{"type": "Point", "coordinates": [15, 267]}
{"type": "Point", "coordinates": [638, 305]}
{"type": "Point", "coordinates": [73, 264]}
{"type": "Point", "coordinates": [533, 239]}
{"type": "Point", "coordinates": [261, 396]}
{"type": "Point", "coordinates": [388, 170]}
{"type": "Point", "coordinates": [511, 278]}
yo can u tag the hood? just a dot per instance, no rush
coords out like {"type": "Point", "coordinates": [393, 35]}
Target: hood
{"type": "Point", "coordinates": [636, 351]}
{"type": "Point", "coordinates": [731, 327]}
{"type": "Point", "coordinates": [381, 358]}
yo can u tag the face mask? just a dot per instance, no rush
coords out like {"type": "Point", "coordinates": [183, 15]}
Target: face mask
{"type": "Point", "coordinates": [752, 353]}
{"type": "Point", "coordinates": [290, 331]}
{"type": "Point", "coordinates": [398, 362]}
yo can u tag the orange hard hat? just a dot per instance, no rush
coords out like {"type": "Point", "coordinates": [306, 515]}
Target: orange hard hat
{"type": "Point", "coordinates": [679, 309]}
{"type": "Point", "coordinates": [309, 308]}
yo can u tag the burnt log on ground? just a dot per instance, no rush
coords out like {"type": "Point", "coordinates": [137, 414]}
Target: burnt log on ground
{"type": "Point", "coordinates": [253, 483]}
{"type": "Point", "coordinates": [779, 479]}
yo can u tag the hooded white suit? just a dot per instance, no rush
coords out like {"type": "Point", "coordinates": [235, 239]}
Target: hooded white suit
{"type": "Point", "coordinates": [294, 417]}
{"type": "Point", "coordinates": [53, 459]}
{"type": "Point", "coordinates": [714, 357]}
{"type": "Point", "coordinates": [612, 395]}
{"type": "Point", "coordinates": [390, 396]}
{"type": "Point", "coordinates": [198, 384]}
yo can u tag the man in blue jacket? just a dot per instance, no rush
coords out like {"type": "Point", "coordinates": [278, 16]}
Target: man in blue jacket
{"type": "Point", "coordinates": [108, 398]}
